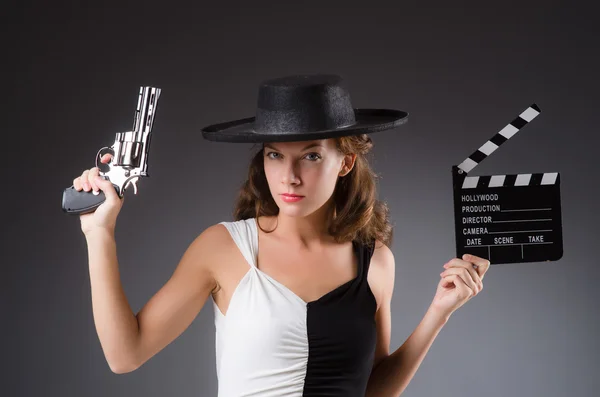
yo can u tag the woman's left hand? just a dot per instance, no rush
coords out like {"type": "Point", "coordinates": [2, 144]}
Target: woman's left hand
{"type": "Point", "coordinates": [461, 281]}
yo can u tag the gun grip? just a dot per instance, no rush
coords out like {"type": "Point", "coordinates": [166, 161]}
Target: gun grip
{"type": "Point", "coordinates": [82, 202]}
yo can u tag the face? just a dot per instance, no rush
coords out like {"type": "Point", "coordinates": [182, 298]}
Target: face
{"type": "Point", "coordinates": [308, 169]}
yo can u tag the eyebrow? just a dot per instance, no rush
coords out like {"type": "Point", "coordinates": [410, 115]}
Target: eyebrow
{"type": "Point", "coordinates": [267, 145]}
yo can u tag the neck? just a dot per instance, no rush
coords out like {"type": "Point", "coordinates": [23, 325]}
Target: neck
{"type": "Point", "coordinates": [304, 232]}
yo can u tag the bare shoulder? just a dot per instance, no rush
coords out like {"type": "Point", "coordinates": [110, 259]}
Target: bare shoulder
{"type": "Point", "coordinates": [197, 262]}
{"type": "Point", "coordinates": [213, 234]}
{"type": "Point", "coordinates": [209, 245]}
{"type": "Point", "coordinates": [382, 272]}
{"type": "Point", "coordinates": [383, 261]}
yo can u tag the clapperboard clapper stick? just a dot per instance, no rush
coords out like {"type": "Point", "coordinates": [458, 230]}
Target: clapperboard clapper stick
{"type": "Point", "coordinates": [507, 218]}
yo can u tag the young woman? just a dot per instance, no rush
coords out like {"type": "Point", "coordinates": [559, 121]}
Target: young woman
{"type": "Point", "coordinates": [302, 278]}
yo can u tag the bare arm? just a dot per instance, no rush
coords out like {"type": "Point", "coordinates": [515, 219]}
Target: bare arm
{"type": "Point", "coordinates": [129, 340]}
{"type": "Point", "coordinates": [393, 372]}
{"type": "Point", "coordinates": [116, 324]}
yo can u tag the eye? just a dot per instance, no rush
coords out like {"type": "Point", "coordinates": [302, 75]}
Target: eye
{"type": "Point", "coordinates": [311, 156]}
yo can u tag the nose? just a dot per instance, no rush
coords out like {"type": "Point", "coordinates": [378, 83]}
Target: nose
{"type": "Point", "coordinates": [289, 175]}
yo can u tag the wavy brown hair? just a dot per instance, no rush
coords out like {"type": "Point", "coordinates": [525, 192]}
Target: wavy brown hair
{"type": "Point", "coordinates": [358, 214]}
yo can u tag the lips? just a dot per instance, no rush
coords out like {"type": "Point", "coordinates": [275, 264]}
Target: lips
{"type": "Point", "coordinates": [291, 195]}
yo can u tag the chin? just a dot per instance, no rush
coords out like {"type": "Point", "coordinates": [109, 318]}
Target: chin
{"type": "Point", "coordinates": [294, 209]}
{"type": "Point", "coordinates": [297, 210]}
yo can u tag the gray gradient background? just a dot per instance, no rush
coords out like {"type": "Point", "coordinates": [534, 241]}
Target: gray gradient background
{"type": "Point", "coordinates": [463, 70]}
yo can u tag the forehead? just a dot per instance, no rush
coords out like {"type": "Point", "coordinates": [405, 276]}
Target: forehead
{"type": "Point", "coordinates": [301, 145]}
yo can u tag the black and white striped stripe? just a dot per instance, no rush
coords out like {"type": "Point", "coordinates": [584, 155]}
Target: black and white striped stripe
{"type": "Point", "coordinates": [546, 178]}
{"type": "Point", "coordinates": [502, 136]}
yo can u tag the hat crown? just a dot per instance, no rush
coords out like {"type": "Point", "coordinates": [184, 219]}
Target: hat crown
{"type": "Point", "coordinates": [303, 103]}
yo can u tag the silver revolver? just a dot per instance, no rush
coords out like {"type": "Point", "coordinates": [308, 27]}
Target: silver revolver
{"type": "Point", "coordinates": [129, 159]}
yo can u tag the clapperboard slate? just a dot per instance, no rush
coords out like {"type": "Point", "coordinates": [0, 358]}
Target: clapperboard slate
{"type": "Point", "coordinates": [507, 218]}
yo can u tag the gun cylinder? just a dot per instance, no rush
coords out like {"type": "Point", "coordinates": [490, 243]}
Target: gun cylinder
{"type": "Point", "coordinates": [130, 154]}
{"type": "Point", "coordinates": [127, 152]}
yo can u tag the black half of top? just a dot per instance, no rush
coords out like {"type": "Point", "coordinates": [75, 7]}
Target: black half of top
{"type": "Point", "coordinates": [342, 336]}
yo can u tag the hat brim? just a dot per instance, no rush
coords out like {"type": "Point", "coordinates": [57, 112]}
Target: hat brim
{"type": "Point", "coordinates": [367, 121]}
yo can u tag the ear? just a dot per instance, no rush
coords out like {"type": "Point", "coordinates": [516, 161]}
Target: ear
{"type": "Point", "coordinates": [347, 164]}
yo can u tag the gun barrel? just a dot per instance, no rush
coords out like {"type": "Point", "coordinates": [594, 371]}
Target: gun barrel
{"type": "Point", "coordinates": [144, 114]}
{"type": "Point", "coordinates": [132, 147]}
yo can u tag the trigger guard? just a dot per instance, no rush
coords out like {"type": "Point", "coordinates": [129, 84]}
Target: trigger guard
{"type": "Point", "coordinates": [101, 166]}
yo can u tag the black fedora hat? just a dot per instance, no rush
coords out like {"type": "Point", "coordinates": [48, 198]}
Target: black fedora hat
{"type": "Point", "coordinates": [304, 107]}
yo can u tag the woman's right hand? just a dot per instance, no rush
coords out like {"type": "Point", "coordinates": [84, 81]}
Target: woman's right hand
{"type": "Point", "coordinates": [105, 216]}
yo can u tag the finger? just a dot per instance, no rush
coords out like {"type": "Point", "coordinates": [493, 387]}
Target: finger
{"type": "Point", "coordinates": [105, 158]}
{"type": "Point", "coordinates": [77, 183]}
{"type": "Point", "coordinates": [93, 173]}
{"type": "Point", "coordinates": [467, 265]}
{"type": "Point", "coordinates": [465, 292]}
{"type": "Point", "coordinates": [107, 187]}
{"type": "Point", "coordinates": [457, 262]}
{"type": "Point", "coordinates": [463, 289]}
{"type": "Point", "coordinates": [462, 264]}
{"type": "Point", "coordinates": [466, 276]}
{"type": "Point", "coordinates": [84, 181]}
{"type": "Point", "coordinates": [483, 264]}
{"type": "Point", "coordinates": [474, 275]}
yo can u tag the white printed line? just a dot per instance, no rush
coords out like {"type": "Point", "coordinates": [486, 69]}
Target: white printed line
{"type": "Point", "coordinates": [523, 231]}
{"type": "Point", "coordinates": [506, 245]}
{"type": "Point", "coordinates": [527, 209]}
{"type": "Point", "coordinates": [524, 220]}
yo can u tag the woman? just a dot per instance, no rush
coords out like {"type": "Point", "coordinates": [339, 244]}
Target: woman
{"type": "Point", "coordinates": [302, 279]}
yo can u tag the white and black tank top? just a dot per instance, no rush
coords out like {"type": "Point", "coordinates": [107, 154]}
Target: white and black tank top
{"type": "Point", "coordinates": [271, 343]}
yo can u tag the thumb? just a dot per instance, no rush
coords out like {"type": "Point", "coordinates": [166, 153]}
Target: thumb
{"type": "Point", "coordinates": [107, 187]}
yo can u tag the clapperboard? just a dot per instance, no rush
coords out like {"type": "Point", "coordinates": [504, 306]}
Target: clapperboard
{"type": "Point", "coordinates": [507, 218]}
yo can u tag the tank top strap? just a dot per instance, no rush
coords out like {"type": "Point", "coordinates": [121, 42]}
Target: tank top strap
{"type": "Point", "coordinates": [359, 292]}
{"type": "Point", "coordinates": [365, 253]}
{"type": "Point", "coordinates": [243, 233]}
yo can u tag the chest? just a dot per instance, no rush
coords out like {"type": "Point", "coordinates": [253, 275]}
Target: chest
{"type": "Point", "coordinates": [309, 275]}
